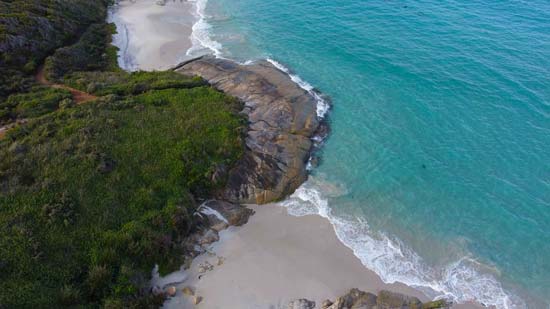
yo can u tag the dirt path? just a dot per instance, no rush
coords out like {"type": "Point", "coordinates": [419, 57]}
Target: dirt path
{"type": "Point", "coordinates": [78, 96]}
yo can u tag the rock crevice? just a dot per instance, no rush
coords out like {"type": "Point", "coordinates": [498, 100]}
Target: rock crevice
{"type": "Point", "coordinates": [282, 120]}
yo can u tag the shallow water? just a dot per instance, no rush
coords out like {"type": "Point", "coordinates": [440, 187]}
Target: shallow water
{"type": "Point", "coordinates": [437, 171]}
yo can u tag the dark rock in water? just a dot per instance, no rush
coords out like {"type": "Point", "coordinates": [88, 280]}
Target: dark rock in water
{"type": "Point", "coordinates": [282, 120]}
{"type": "Point", "coordinates": [301, 304]}
{"type": "Point", "coordinates": [222, 214]}
{"type": "Point", "coordinates": [391, 300]}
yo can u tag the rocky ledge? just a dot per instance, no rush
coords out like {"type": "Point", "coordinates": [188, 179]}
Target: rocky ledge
{"type": "Point", "coordinates": [282, 120]}
{"type": "Point", "coordinates": [358, 299]}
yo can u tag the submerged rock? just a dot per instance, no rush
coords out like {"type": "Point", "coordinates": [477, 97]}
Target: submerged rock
{"type": "Point", "coordinates": [301, 304]}
{"type": "Point", "coordinates": [282, 119]}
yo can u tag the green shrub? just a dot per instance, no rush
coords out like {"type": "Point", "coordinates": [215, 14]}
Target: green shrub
{"type": "Point", "coordinates": [69, 296]}
{"type": "Point", "coordinates": [88, 54]}
{"type": "Point", "coordinates": [107, 186]}
{"type": "Point", "coordinates": [37, 102]}
{"type": "Point", "coordinates": [30, 30]}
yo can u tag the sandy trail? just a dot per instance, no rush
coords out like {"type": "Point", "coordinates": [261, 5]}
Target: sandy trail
{"type": "Point", "coordinates": [78, 96]}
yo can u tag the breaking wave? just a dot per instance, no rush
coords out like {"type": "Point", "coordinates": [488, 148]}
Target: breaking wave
{"type": "Point", "coordinates": [460, 281]}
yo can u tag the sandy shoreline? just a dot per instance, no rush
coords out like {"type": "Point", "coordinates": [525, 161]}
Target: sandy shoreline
{"type": "Point", "coordinates": [152, 36]}
{"type": "Point", "coordinates": [275, 258]}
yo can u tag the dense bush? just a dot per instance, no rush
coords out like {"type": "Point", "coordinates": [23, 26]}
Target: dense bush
{"type": "Point", "coordinates": [88, 54]}
{"type": "Point", "coordinates": [92, 196]}
{"type": "Point", "coordinates": [38, 101]}
{"type": "Point", "coordinates": [122, 83]}
{"type": "Point", "coordinates": [30, 30]}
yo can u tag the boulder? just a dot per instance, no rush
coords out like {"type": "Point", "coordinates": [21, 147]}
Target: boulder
{"type": "Point", "coordinates": [171, 291]}
{"type": "Point", "coordinates": [392, 300]}
{"type": "Point", "coordinates": [441, 303]}
{"type": "Point", "coordinates": [355, 298]}
{"type": "Point", "coordinates": [282, 120]}
{"type": "Point", "coordinates": [301, 304]}
{"type": "Point", "coordinates": [385, 300]}
{"type": "Point", "coordinates": [197, 300]}
{"type": "Point", "coordinates": [326, 304]}
{"type": "Point", "coordinates": [222, 214]}
{"type": "Point", "coordinates": [209, 237]}
{"type": "Point", "coordinates": [188, 291]}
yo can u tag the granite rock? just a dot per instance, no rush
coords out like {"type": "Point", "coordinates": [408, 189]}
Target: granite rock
{"type": "Point", "coordinates": [282, 120]}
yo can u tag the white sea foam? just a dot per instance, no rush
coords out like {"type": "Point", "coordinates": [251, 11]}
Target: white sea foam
{"type": "Point", "coordinates": [393, 261]}
{"type": "Point", "coordinates": [200, 36]}
{"type": "Point", "coordinates": [322, 105]}
{"type": "Point", "coordinates": [201, 39]}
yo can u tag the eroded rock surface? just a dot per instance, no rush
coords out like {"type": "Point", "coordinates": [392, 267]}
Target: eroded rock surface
{"type": "Point", "coordinates": [301, 304]}
{"type": "Point", "coordinates": [356, 298]}
{"type": "Point", "coordinates": [282, 119]}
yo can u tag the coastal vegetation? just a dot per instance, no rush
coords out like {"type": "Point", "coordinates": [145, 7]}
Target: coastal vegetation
{"type": "Point", "coordinates": [94, 195]}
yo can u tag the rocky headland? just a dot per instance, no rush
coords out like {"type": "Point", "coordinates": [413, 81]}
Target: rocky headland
{"type": "Point", "coordinates": [282, 121]}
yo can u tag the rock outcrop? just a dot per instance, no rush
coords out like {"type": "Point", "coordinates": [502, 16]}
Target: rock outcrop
{"type": "Point", "coordinates": [211, 217]}
{"type": "Point", "coordinates": [356, 298]}
{"type": "Point", "coordinates": [301, 304]}
{"type": "Point", "coordinates": [221, 214]}
{"type": "Point", "coordinates": [282, 119]}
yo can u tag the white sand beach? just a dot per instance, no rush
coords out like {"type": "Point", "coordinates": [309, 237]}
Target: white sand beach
{"type": "Point", "coordinates": [275, 258]}
{"type": "Point", "coordinates": [152, 36]}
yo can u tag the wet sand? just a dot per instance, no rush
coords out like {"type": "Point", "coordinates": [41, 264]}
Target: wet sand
{"type": "Point", "coordinates": [275, 258]}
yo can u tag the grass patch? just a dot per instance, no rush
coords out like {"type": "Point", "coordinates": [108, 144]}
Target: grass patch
{"type": "Point", "coordinates": [93, 196]}
{"type": "Point", "coordinates": [38, 101]}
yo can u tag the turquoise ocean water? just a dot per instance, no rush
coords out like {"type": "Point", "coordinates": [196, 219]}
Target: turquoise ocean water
{"type": "Point", "coordinates": [437, 169]}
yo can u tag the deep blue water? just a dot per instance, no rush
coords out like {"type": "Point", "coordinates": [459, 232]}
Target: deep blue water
{"type": "Point", "coordinates": [437, 170]}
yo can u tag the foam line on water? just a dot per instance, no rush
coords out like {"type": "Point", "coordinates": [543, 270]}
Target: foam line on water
{"type": "Point", "coordinates": [460, 281]}
{"type": "Point", "coordinates": [388, 257]}
{"type": "Point", "coordinates": [201, 39]}
{"type": "Point", "coordinates": [322, 105]}
{"type": "Point", "coordinates": [200, 35]}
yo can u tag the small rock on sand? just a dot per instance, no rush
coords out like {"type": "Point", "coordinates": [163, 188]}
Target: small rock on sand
{"type": "Point", "coordinates": [326, 303]}
{"type": "Point", "coordinates": [171, 291]}
{"type": "Point", "coordinates": [204, 267]}
{"type": "Point", "coordinates": [188, 291]}
{"type": "Point", "coordinates": [301, 304]}
{"type": "Point", "coordinates": [197, 300]}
